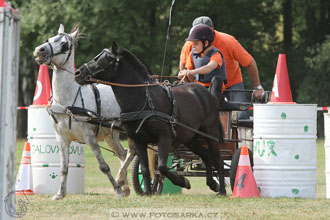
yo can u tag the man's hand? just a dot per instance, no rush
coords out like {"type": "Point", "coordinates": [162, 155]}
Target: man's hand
{"type": "Point", "coordinates": [188, 75]}
{"type": "Point", "coordinates": [258, 92]}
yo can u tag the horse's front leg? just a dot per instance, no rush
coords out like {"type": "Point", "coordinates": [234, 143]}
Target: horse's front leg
{"type": "Point", "coordinates": [104, 167]}
{"type": "Point", "coordinates": [124, 157]}
{"type": "Point", "coordinates": [63, 145]}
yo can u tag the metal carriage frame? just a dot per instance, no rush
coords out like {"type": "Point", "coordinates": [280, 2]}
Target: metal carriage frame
{"type": "Point", "coordinates": [237, 133]}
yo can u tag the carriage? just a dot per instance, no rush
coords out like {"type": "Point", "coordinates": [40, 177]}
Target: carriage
{"type": "Point", "coordinates": [183, 121]}
{"type": "Point", "coordinates": [238, 133]}
{"type": "Point", "coordinates": [149, 114]}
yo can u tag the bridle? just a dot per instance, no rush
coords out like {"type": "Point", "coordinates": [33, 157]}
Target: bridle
{"type": "Point", "coordinates": [63, 50]}
{"type": "Point", "coordinates": [114, 61]}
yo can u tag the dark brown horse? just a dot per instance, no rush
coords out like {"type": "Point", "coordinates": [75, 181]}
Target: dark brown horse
{"type": "Point", "coordinates": [159, 115]}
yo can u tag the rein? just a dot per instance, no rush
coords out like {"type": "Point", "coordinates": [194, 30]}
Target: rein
{"type": "Point", "coordinates": [61, 68]}
{"type": "Point", "coordinates": [159, 76]}
{"type": "Point", "coordinates": [126, 85]}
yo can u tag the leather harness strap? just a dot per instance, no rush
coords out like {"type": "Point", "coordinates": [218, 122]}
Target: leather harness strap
{"type": "Point", "coordinates": [172, 119]}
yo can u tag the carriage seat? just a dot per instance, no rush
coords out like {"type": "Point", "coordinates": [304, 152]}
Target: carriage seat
{"type": "Point", "coordinates": [234, 106]}
{"type": "Point", "coordinates": [247, 123]}
{"type": "Point", "coordinates": [229, 106]}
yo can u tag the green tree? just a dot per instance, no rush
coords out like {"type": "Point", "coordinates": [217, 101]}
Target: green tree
{"type": "Point", "coordinates": [265, 28]}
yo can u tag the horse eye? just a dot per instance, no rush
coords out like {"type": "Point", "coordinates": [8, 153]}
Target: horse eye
{"type": "Point", "coordinates": [57, 38]}
{"type": "Point", "coordinates": [65, 46]}
{"type": "Point", "coordinates": [101, 61]}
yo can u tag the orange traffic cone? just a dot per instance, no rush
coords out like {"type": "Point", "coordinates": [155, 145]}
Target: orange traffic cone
{"type": "Point", "coordinates": [281, 88]}
{"type": "Point", "coordinates": [43, 89]}
{"type": "Point", "coordinates": [24, 177]}
{"type": "Point", "coordinates": [245, 185]}
{"type": "Point", "coordinates": [3, 3]}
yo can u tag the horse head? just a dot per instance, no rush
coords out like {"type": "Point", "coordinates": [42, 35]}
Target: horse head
{"type": "Point", "coordinates": [57, 49]}
{"type": "Point", "coordinates": [103, 66]}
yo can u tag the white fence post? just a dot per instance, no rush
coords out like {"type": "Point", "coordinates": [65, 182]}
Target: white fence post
{"type": "Point", "coordinates": [327, 152]}
{"type": "Point", "coordinates": [9, 57]}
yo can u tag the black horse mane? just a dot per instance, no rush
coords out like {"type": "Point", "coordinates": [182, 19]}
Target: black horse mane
{"type": "Point", "coordinates": [136, 64]}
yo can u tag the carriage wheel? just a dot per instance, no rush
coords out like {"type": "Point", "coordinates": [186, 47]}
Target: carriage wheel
{"type": "Point", "coordinates": [157, 181]}
{"type": "Point", "coordinates": [234, 165]}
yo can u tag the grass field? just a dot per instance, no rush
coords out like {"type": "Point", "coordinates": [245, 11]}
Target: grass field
{"type": "Point", "coordinates": [99, 198]}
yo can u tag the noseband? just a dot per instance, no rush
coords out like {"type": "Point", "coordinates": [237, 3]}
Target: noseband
{"type": "Point", "coordinates": [63, 49]}
{"type": "Point", "coordinates": [114, 60]}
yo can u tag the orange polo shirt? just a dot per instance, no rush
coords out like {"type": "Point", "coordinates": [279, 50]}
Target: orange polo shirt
{"type": "Point", "coordinates": [232, 51]}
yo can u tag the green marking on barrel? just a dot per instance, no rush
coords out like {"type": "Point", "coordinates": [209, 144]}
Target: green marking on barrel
{"type": "Point", "coordinates": [296, 157]}
{"type": "Point", "coordinates": [31, 137]}
{"type": "Point", "coordinates": [259, 189]}
{"type": "Point", "coordinates": [283, 115]}
{"type": "Point", "coordinates": [53, 176]}
{"type": "Point", "coordinates": [34, 129]}
{"type": "Point", "coordinates": [295, 191]}
{"type": "Point", "coordinates": [45, 165]}
{"type": "Point", "coordinates": [78, 165]}
{"type": "Point", "coordinates": [306, 128]}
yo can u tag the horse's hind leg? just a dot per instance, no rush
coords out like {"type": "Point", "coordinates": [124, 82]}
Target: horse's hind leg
{"type": "Point", "coordinates": [141, 151]}
{"type": "Point", "coordinates": [164, 145]}
{"type": "Point", "coordinates": [196, 147]}
{"type": "Point", "coordinates": [217, 162]}
{"type": "Point", "coordinates": [64, 158]}
{"type": "Point", "coordinates": [125, 159]}
{"type": "Point", "coordinates": [92, 142]}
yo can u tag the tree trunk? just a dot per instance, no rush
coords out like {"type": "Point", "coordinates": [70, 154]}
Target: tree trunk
{"type": "Point", "coordinates": [287, 26]}
{"type": "Point", "coordinates": [311, 23]}
{"type": "Point", "coordinates": [21, 130]}
{"type": "Point", "coordinates": [324, 19]}
{"type": "Point", "coordinates": [26, 90]}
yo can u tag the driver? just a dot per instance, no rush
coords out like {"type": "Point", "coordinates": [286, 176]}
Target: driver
{"type": "Point", "coordinates": [234, 54]}
{"type": "Point", "coordinates": [205, 63]}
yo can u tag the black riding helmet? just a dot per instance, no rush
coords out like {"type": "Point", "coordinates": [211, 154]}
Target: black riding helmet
{"type": "Point", "coordinates": [203, 33]}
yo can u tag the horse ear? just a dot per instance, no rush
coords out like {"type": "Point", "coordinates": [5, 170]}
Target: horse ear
{"type": "Point", "coordinates": [114, 47]}
{"type": "Point", "coordinates": [74, 34]}
{"type": "Point", "coordinates": [61, 29]}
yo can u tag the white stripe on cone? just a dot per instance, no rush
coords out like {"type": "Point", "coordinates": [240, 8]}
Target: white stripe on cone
{"type": "Point", "coordinates": [244, 160]}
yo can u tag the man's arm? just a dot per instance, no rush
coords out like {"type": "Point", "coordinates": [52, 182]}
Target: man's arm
{"type": "Point", "coordinates": [254, 74]}
{"type": "Point", "coordinates": [182, 66]}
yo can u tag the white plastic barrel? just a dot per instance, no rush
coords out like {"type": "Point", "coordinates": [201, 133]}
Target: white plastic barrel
{"type": "Point", "coordinates": [327, 151]}
{"type": "Point", "coordinates": [45, 156]}
{"type": "Point", "coordinates": [284, 149]}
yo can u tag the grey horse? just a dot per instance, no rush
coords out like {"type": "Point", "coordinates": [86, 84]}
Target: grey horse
{"type": "Point", "coordinates": [58, 52]}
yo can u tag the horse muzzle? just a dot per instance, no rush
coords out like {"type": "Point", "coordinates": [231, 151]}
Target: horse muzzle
{"type": "Point", "coordinates": [82, 78]}
{"type": "Point", "coordinates": [42, 55]}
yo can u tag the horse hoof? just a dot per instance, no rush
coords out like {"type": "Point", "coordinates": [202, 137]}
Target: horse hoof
{"type": "Point", "coordinates": [187, 184]}
{"type": "Point", "coordinates": [146, 194]}
{"type": "Point", "coordinates": [222, 193]}
{"type": "Point", "coordinates": [217, 188]}
{"type": "Point", "coordinates": [58, 196]}
{"type": "Point", "coordinates": [119, 192]}
{"type": "Point", "coordinates": [126, 190]}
